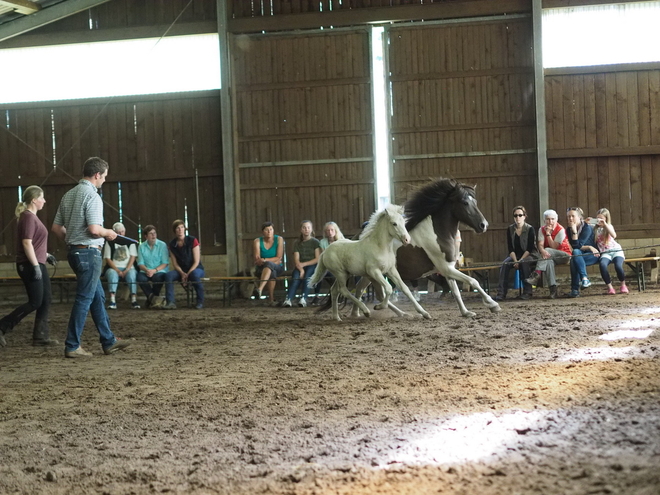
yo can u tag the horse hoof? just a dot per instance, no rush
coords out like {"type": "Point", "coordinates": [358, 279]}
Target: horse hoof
{"type": "Point", "coordinates": [379, 306]}
{"type": "Point", "coordinates": [367, 314]}
{"type": "Point", "coordinates": [469, 314]}
{"type": "Point", "coordinates": [495, 309]}
{"type": "Point", "coordinates": [427, 316]}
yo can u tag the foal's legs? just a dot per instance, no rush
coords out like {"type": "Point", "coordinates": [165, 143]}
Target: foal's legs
{"type": "Point", "coordinates": [339, 287]}
{"type": "Point", "coordinates": [362, 284]}
{"type": "Point", "coordinates": [394, 275]}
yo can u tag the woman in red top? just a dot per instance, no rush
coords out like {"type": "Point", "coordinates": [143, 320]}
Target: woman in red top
{"type": "Point", "coordinates": [554, 249]}
{"type": "Point", "coordinates": [31, 258]}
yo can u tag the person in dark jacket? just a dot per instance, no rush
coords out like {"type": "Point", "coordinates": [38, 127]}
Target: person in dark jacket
{"type": "Point", "coordinates": [521, 243]}
{"type": "Point", "coordinates": [185, 265]}
{"type": "Point", "coordinates": [585, 253]}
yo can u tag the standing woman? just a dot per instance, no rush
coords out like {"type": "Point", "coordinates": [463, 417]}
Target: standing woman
{"type": "Point", "coordinates": [521, 242]}
{"type": "Point", "coordinates": [185, 264]}
{"type": "Point", "coordinates": [268, 251]}
{"type": "Point", "coordinates": [610, 251]}
{"type": "Point", "coordinates": [306, 254]}
{"type": "Point", "coordinates": [31, 258]}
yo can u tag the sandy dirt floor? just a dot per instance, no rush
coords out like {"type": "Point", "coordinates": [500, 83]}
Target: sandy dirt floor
{"type": "Point", "coordinates": [546, 397]}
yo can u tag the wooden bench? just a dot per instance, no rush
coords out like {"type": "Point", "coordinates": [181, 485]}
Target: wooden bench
{"type": "Point", "coordinates": [637, 266]}
{"type": "Point", "coordinates": [63, 283]}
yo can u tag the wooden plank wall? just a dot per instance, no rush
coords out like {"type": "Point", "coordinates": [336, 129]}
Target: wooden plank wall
{"type": "Point", "coordinates": [155, 147]}
{"type": "Point", "coordinates": [258, 8]}
{"type": "Point", "coordinates": [304, 132]}
{"type": "Point", "coordinates": [604, 145]}
{"type": "Point", "coordinates": [460, 90]}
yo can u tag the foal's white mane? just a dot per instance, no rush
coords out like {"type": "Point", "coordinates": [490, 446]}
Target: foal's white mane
{"type": "Point", "coordinates": [377, 215]}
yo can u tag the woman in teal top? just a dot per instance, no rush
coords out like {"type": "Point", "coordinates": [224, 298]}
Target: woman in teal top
{"type": "Point", "coordinates": [268, 251]}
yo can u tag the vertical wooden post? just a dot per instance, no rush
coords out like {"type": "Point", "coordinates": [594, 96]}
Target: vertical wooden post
{"type": "Point", "coordinates": [539, 92]}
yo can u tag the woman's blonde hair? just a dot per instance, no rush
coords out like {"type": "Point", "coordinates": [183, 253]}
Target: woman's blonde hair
{"type": "Point", "coordinates": [608, 218]}
{"type": "Point", "coordinates": [31, 193]}
{"type": "Point", "coordinates": [338, 234]}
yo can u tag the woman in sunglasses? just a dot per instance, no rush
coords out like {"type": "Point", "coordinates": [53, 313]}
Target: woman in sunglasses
{"type": "Point", "coordinates": [521, 242]}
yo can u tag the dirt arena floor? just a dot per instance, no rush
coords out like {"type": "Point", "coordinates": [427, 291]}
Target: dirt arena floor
{"type": "Point", "coordinates": [546, 397]}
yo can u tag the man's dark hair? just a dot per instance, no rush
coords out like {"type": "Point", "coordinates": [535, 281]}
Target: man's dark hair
{"type": "Point", "coordinates": [93, 166]}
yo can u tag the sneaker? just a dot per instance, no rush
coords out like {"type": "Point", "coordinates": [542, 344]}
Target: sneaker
{"type": "Point", "coordinates": [624, 289]}
{"type": "Point", "coordinates": [256, 294]}
{"type": "Point", "coordinates": [498, 298]}
{"type": "Point", "coordinates": [586, 283]}
{"type": "Point", "coordinates": [574, 293]}
{"type": "Point", "coordinates": [78, 353]}
{"type": "Point", "coordinates": [553, 292]}
{"type": "Point", "coordinates": [117, 346]}
{"type": "Point", "coordinates": [135, 305]}
{"type": "Point", "coordinates": [611, 290]}
{"type": "Point", "coordinates": [315, 301]}
{"type": "Point", "coordinates": [272, 304]}
{"type": "Point", "coordinates": [199, 306]}
{"type": "Point", "coordinates": [533, 279]}
{"type": "Point", "coordinates": [302, 303]}
{"type": "Point", "coordinates": [112, 305]}
{"type": "Point", "coordinates": [286, 303]}
{"type": "Point", "coordinates": [45, 342]}
{"type": "Point", "coordinates": [416, 296]}
{"type": "Point", "coordinates": [524, 296]}
{"type": "Point", "coordinates": [169, 305]}
{"type": "Point", "coordinates": [157, 302]}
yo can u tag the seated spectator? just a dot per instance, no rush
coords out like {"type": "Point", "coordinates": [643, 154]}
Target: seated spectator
{"type": "Point", "coordinates": [119, 261]}
{"type": "Point", "coordinates": [306, 254]}
{"type": "Point", "coordinates": [520, 238]}
{"type": "Point", "coordinates": [153, 262]}
{"type": "Point", "coordinates": [610, 251]}
{"type": "Point", "coordinates": [554, 249]}
{"type": "Point", "coordinates": [331, 233]}
{"type": "Point", "coordinates": [581, 238]}
{"type": "Point", "coordinates": [268, 251]}
{"type": "Point", "coordinates": [185, 264]}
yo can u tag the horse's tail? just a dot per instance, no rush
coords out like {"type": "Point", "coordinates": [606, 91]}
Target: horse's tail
{"type": "Point", "coordinates": [319, 273]}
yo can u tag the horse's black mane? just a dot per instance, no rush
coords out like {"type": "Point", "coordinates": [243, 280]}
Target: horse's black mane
{"type": "Point", "coordinates": [429, 199]}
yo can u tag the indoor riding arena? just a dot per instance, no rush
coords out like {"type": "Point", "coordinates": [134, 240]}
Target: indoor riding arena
{"type": "Point", "coordinates": [240, 116]}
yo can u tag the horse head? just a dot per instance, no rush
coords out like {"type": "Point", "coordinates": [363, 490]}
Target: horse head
{"type": "Point", "coordinates": [442, 197]}
{"type": "Point", "coordinates": [397, 224]}
{"type": "Point", "coordinates": [464, 208]}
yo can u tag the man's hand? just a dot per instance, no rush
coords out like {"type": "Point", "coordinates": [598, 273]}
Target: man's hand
{"type": "Point", "coordinates": [51, 259]}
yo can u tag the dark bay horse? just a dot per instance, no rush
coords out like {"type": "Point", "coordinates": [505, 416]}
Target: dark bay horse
{"type": "Point", "coordinates": [432, 217]}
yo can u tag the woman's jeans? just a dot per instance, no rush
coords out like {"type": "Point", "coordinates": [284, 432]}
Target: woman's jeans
{"type": "Point", "coordinates": [618, 267]}
{"type": "Point", "coordinates": [507, 266]}
{"type": "Point", "coordinates": [194, 278]}
{"type": "Point", "coordinates": [39, 299]}
{"type": "Point", "coordinates": [113, 280]}
{"type": "Point", "coordinates": [154, 287]}
{"type": "Point", "coordinates": [579, 263]}
{"type": "Point", "coordinates": [296, 280]}
{"type": "Point", "coordinates": [90, 297]}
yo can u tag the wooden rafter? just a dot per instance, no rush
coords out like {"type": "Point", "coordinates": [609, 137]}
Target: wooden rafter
{"type": "Point", "coordinates": [22, 6]}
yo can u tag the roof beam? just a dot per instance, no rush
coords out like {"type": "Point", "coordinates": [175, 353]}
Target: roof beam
{"type": "Point", "coordinates": [22, 6]}
{"type": "Point", "coordinates": [45, 16]}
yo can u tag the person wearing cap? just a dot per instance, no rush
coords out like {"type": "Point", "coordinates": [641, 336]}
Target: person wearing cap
{"type": "Point", "coordinates": [79, 223]}
{"type": "Point", "coordinates": [119, 265]}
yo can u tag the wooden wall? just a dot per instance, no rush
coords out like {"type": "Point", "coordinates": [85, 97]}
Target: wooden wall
{"type": "Point", "coordinates": [304, 132]}
{"type": "Point", "coordinates": [155, 146]}
{"type": "Point", "coordinates": [603, 128]}
{"type": "Point", "coordinates": [463, 107]}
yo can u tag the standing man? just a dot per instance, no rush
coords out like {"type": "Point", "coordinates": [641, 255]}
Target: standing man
{"type": "Point", "coordinates": [79, 223]}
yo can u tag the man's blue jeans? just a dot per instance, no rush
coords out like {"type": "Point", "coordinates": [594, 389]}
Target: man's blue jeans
{"type": "Point", "coordinates": [579, 263]}
{"type": "Point", "coordinates": [90, 297]}
{"type": "Point", "coordinates": [295, 281]}
{"type": "Point", "coordinates": [193, 278]}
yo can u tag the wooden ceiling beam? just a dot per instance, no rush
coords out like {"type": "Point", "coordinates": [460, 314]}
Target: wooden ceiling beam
{"type": "Point", "coordinates": [22, 6]}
